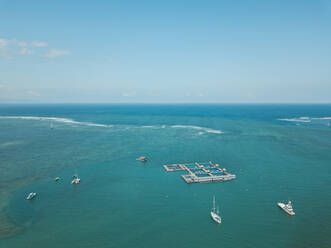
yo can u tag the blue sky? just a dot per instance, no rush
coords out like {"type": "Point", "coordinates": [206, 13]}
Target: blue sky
{"type": "Point", "coordinates": [165, 51]}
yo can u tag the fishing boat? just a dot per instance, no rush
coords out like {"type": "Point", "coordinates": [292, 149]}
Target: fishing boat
{"type": "Point", "coordinates": [287, 207]}
{"type": "Point", "coordinates": [76, 179]}
{"type": "Point", "coordinates": [215, 213]}
{"type": "Point", "coordinates": [31, 195]}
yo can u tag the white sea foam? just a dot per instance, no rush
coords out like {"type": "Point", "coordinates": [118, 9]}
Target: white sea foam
{"type": "Point", "coordinates": [91, 124]}
{"type": "Point", "coordinates": [205, 129]}
{"type": "Point", "coordinates": [213, 131]}
{"type": "Point", "coordinates": [305, 119]}
{"type": "Point", "coordinates": [322, 118]}
{"type": "Point", "coordinates": [152, 127]}
{"type": "Point", "coordinates": [56, 119]}
{"type": "Point", "coordinates": [295, 120]}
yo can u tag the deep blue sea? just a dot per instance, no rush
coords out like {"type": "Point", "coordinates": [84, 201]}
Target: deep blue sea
{"type": "Point", "coordinates": [279, 152]}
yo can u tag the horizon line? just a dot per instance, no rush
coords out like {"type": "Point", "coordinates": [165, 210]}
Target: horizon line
{"type": "Point", "coordinates": [56, 103]}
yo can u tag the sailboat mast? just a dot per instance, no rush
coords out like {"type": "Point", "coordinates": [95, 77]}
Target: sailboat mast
{"type": "Point", "coordinates": [214, 204]}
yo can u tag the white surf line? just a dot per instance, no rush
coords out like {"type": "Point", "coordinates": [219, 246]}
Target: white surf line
{"type": "Point", "coordinates": [321, 118]}
{"type": "Point", "coordinates": [73, 122]}
{"type": "Point", "coordinates": [56, 119]}
{"type": "Point", "coordinates": [295, 120]}
{"type": "Point", "coordinates": [304, 119]}
{"type": "Point", "coordinates": [205, 129]}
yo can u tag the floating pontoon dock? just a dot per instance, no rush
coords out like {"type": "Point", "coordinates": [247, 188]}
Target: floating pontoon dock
{"type": "Point", "coordinates": [201, 172]}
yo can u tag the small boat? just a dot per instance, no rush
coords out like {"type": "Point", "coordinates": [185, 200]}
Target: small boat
{"type": "Point", "coordinates": [215, 213]}
{"type": "Point", "coordinates": [142, 159]}
{"type": "Point", "coordinates": [76, 179]}
{"type": "Point", "coordinates": [31, 195]}
{"type": "Point", "coordinates": [56, 179]}
{"type": "Point", "coordinates": [287, 207]}
{"type": "Point", "coordinates": [51, 125]}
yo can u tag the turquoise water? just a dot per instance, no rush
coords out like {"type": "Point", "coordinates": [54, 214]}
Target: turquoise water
{"type": "Point", "coordinates": [278, 152]}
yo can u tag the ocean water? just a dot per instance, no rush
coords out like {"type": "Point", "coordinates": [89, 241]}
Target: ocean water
{"type": "Point", "coordinates": [278, 152]}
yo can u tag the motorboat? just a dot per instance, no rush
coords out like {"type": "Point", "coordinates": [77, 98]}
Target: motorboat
{"type": "Point", "coordinates": [31, 195]}
{"type": "Point", "coordinates": [142, 159]}
{"type": "Point", "coordinates": [287, 207]}
{"type": "Point", "coordinates": [76, 179]}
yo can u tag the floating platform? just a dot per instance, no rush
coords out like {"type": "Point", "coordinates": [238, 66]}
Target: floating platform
{"type": "Point", "coordinates": [201, 172]}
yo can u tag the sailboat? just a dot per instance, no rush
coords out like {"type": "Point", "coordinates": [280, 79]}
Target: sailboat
{"type": "Point", "coordinates": [215, 213]}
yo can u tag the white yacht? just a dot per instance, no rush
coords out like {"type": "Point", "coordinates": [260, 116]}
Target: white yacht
{"type": "Point", "coordinates": [31, 195]}
{"type": "Point", "coordinates": [76, 180]}
{"type": "Point", "coordinates": [287, 207]}
{"type": "Point", "coordinates": [215, 214]}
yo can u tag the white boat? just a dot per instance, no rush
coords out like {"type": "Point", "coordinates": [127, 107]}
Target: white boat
{"type": "Point", "coordinates": [287, 207]}
{"type": "Point", "coordinates": [215, 214]}
{"type": "Point", "coordinates": [31, 195]}
{"type": "Point", "coordinates": [76, 179]}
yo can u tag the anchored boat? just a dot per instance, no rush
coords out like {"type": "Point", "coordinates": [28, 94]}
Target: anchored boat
{"type": "Point", "coordinates": [31, 195]}
{"type": "Point", "coordinates": [215, 213]}
{"type": "Point", "coordinates": [142, 159]}
{"type": "Point", "coordinates": [287, 207]}
{"type": "Point", "coordinates": [76, 179]}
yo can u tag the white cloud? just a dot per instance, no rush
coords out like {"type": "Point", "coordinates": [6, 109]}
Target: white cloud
{"type": "Point", "coordinates": [32, 93]}
{"type": "Point", "coordinates": [31, 44]}
{"type": "Point", "coordinates": [53, 53]}
{"type": "Point", "coordinates": [25, 51]}
{"type": "Point", "coordinates": [39, 44]}
{"type": "Point", "coordinates": [129, 94]}
{"type": "Point", "coordinates": [12, 47]}
{"type": "Point", "coordinates": [3, 42]}
{"type": "Point", "coordinates": [22, 43]}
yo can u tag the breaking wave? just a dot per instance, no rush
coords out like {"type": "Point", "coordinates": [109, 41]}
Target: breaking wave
{"type": "Point", "coordinates": [301, 119]}
{"type": "Point", "coordinates": [322, 118]}
{"type": "Point", "coordinates": [205, 129]}
{"type": "Point", "coordinates": [56, 119]}
{"type": "Point", "coordinates": [306, 119]}
{"type": "Point", "coordinates": [91, 124]}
